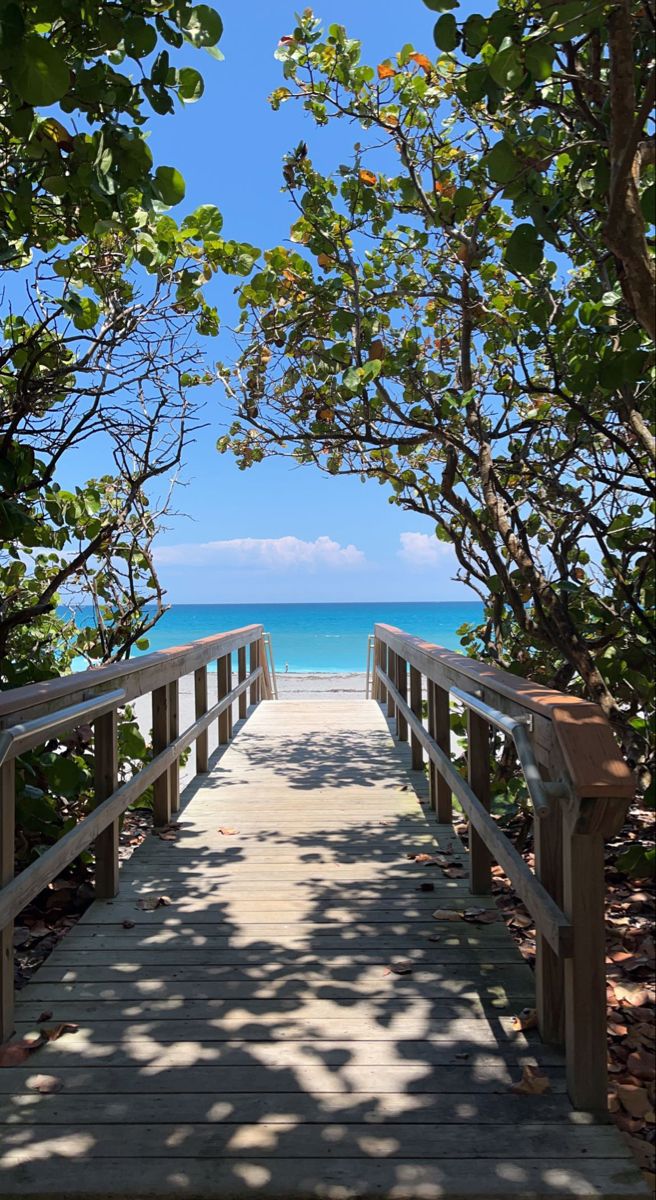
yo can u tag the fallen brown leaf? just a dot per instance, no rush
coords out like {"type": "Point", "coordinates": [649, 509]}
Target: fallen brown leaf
{"type": "Point", "coordinates": [14, 1054]}
{"type": "Point", "coordinates": [642, 1065]}
{"type": "Point", "coordinates": [423, 858]}
{"type": "Point", "coordinates": [52, 1033]}
{"type": "Point", "coordinates": [150, 903]}
{"type": "Point", "coordinates": [481, 916]}
{"type": "Point", "coordinates": [446, 914]}
{"type": "Point", "coordinates": [634, 1099]}
{"type": "Point", "coordinates": [128, 924]}
{"type": "Point", "coordinates": [426, 887]}
{"type": "Point", "coordinates": [225, 831]}
{"type": "Point", "coordinates": [45, 1016]}
{"type": "Point", "coordinates": [402, 968]}
{"type": "Point", "coordinates": [526, 1019]}
{"type": "Point", "coordinates": [532, 1083]}
{"type": "Point", "coordinates": [454, 872]}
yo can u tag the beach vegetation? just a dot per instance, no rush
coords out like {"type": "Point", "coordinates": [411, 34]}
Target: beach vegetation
{"type": "Point", "coordinates": [464, 314]}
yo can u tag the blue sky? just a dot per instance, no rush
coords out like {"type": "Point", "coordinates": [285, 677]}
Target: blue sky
{"type": "Point", "coordinates": [276, 532]}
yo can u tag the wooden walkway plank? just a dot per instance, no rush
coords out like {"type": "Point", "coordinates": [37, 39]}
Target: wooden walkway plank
{"type": "Point", "coordinates": [249, 1038]}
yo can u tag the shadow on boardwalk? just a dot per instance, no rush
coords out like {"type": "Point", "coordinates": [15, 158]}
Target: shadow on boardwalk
{"type": "Point", "coordinates": [248, 1038]}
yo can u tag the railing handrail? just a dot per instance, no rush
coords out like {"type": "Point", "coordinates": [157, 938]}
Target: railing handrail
{"type": "Point", "coordinates": [581, 789]}
{"type": "Point", "coordinates": [137, 676]}
{"type": "Point", "coordinates": [569, 732]}
{"type": "Point", "coordinates": [32, 714]}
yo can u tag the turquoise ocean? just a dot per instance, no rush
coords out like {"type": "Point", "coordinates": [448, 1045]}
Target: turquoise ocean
{"type": "Point", "coordinates": [314, 637]}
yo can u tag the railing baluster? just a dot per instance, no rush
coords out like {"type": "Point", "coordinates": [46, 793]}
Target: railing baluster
{"type": "Point", "coordinates": [549, 967]}
{"type": "Point", "coordinates": [223, 689]}
{"type": "Point", "coordinates": [241, 675]}
{"type": "Point", "coordinates": [106, 782]}
{"type": "Point", "coordinates": [415, 704]}
{"type": "Point", "coordinates": [391, 671]}
{"type": "Point", "coordinates": [478, 774]}
{"type": "Point", "coordinates": [174, 729]}
{"type": "Point", "coordinates": [585, 971]}
{"type": "Point", "coordinates": [254, 662]}
{"type": "Point", "coordinates": [442, 735]}
{"type": "Point", "coordinates": [402, 687]}
{"type": "Point", "coordinates": [200, 707]}
{"type": "Point", "coordinates": [7, 853]}
{"type": "Point", "coordinates": [161, 786]}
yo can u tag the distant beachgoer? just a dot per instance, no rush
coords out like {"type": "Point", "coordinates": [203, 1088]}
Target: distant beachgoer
{"type": "Point", "coordinates": [286, 668]}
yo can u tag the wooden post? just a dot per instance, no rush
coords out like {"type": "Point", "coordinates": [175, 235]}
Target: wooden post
{"type": "Point", "coordinates": [382, 660]}
{"type": "Point", "coordinates": [254, 662]}
{"type": "Point", "coordinates": [549, 968]}
{"type": "Point", "coordinates": [241, 675]}
{"type": "Point", "coordinates": [230, 707]}
{"type": "Point", "coordinates": [7, 852]}
{"type": "Point", "coordinates": [161, 786]}
{"type": "Point", "coordinates": [439, 727]}
{"type": "Point", "coordinates": [223, 689]}
{"type": "Point", "coordinates": [174, 729]}
{"type": "Point", "coordinates": [402, 688]}
{"type": "Point", "coordinates": [200, 703]}
{"type": "Point", "coordinates": [106, 782]}
{"type": "Point", "coordinates": [478, 773]}
{"type": "Point", "coordinates": [391, 671]}
{"type": "Point", "coordinates": [585, 971]}
{"type": "Point", "coordinates": [415, 705]}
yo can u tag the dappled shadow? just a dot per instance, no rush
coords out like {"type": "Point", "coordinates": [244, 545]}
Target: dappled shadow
{"type": "Point", "coordinates": [248, 1037]}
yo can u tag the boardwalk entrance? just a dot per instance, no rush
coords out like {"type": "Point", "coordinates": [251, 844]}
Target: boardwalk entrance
{"type": "Point", "coordinates": [248, 1038]}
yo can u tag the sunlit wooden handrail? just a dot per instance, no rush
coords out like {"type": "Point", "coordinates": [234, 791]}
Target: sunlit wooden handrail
{"type": "Point", "coordinates": [582, 787]}
{"type": "Point", "coordinates": [30, 716]}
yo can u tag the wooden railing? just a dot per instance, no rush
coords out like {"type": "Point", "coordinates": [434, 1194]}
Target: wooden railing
{"type": "Point", "coordinates": [580, 787]}
{"type": "Point", "coordinates": [30, 716]}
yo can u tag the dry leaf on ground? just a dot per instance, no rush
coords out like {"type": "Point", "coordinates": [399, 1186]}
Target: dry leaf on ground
{"type": "Point", "coordinates": [402, 968]}
{"type": "Point", "coordinates": [480, 916]}
{"type": "Point", "coordinates": [526, 1019]}
{"type": "Point", "coordinates": [225, 831]}
{"type": "Point", "coordinates": [635, 1100]}
{"type": "Point", "coordinates": [52, 1033]}
{"type": "Point", "coordinates": [14, 1054]}
{"type": "Point", "coordinates": [532, 1083]}
{"type": "Point", "coordinates": [150, 903]}
{"type": "Point", "coordinates": [128, 924]}
{"type": "Point", "coordinates": [446, 914]}
{"type": "Point", "coordinates": [45, 1016]}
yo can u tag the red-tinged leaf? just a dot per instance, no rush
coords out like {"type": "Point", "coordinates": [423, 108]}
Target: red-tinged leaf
{"type": "Point", "coordinates": [521, 921]}
{"type": "Point", "coordinates": [14, 1054]}
{"type": "Point", "coordinates": [634, 1099]}
{"type": "Point", "coordinates": [422, 857]}
{"type": "Point", "coordinates": [150, 903]}
{"type": "Point", "coordinates": [617, 1030]}
{"type": "Point", "coordinates": [526, 1019]}
{"type": "Point", "coordinates": [45, 1016]}
{"type": "Point", "coordinates": [286, 40]}
{"type": "Point", "coordinates": [47, 1085]}
{"type": "Point", "coordinates": [422, 61]}
{"type": "Point", "coordinates": [385, 71]}
{"type": "Point", "coordinates": [368, 178]}
{"type": "Point", "coordinates": [446, 914]}
{"type": "Point", "coordinates": [532, 1083]}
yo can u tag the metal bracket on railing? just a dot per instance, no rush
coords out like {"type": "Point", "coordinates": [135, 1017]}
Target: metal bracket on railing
{"type": "Point", "coordinates": [31, 733]}
{"type": "Point", "coordinates": [518, 728]}
{"type": "Point", "coordinates": [268, 649]}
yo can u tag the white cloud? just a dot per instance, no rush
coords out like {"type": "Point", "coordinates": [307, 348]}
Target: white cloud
{"type": "Point", "coordinates": [423, 550]}
{"type": "Point", "coordinates": [272, 554]}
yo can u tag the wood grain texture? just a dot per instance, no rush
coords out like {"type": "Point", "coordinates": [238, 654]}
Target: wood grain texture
{"type": "Point", "coordinates": [252, 1037]}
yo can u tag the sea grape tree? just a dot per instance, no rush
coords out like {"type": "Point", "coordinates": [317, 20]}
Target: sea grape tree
{"type": "Point", "coordinates": [456, 318]}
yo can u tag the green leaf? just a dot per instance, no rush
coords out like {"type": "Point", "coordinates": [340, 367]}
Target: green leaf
{"type": "Point", "coordinates": [440, 6]}
{"type": "Point", "coordinates": [140, 38]}
{"type": "Point", "coordinates": [501, 162]}
{"type": "Point", "coordinates": [39, 75]}
{"type": "Point", "coordinates": [538, 57]}
{"type": "Point", "coordinates": [506, 68]}
{"type": "Point", "coordinates": [170, 185]}
{"type": "Point", "coordinates": [474, 34]}
{"type": "Point", "coordinates": [202, 25]}
{"type": "Point", "coordinates": [445, 33]}
{"type": "Point", "coordinates": [524, 250]}
{"type": "Point", "coordinates": [190, 85]}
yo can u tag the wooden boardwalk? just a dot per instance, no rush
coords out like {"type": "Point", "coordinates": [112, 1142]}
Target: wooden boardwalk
{"type": "Point", "coordinates": [247, 1039]}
